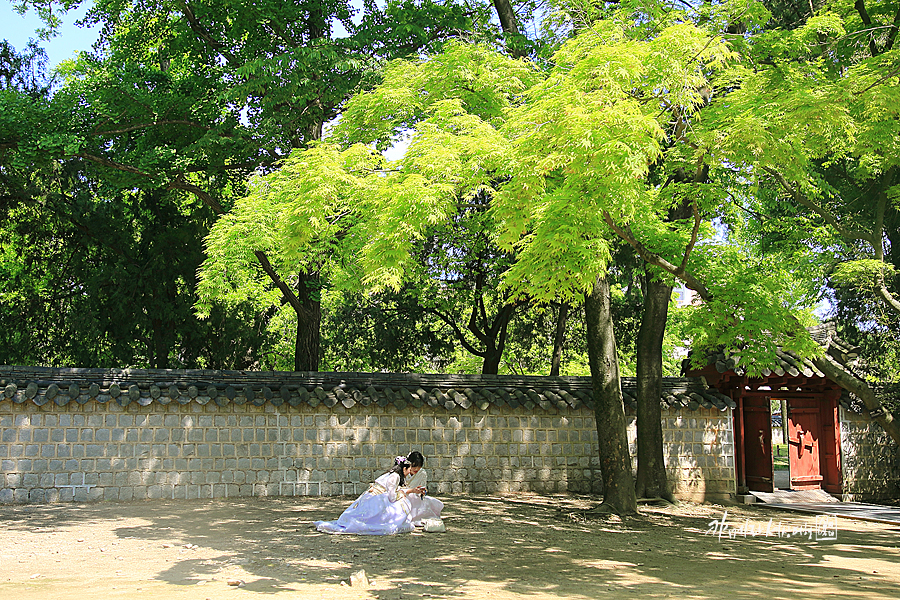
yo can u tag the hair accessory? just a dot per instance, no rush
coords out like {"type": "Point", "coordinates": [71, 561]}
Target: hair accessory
{"type": "Point", "coordinates": [401, 460]}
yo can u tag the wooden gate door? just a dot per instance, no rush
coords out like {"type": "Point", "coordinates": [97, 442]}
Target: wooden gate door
{"type": "Point", "coordinates": [758, 443]}
{"type": "Point", "coordinates": [804, 434]}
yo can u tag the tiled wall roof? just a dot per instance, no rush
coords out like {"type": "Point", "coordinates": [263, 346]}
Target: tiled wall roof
{"type": "Point", "coordinates": [42, 385]}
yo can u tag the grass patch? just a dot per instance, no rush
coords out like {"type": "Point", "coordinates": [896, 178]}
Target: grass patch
{"type": "Point", "coordinates": [782, 461]}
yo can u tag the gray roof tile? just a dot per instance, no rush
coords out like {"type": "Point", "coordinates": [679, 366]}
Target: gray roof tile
{"type": "Point", "coordinates": [452, 392]}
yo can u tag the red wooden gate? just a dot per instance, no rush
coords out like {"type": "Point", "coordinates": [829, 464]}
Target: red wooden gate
{"type": "Point", "coordinates": [758, 467]}
{"type": "Point", "coordinates": [814, 444]}
{"type": "Point", "coordinates": [804, 434]}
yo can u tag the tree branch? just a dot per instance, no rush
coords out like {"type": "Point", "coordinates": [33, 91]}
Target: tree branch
{"type": "Point", "coordinates": [457, 331]}
{"type": "Point", "coordinates": [145, 125]}
{"type": "Point", "coordinates": [889, 44]}
{"type": "Point", "coordinates": [112, 164]}
{"type": "Point", "coordinates": [889, 299]}
{"type": "Point", "coordinates": [507, 16]}
{"type": "Point", "coordinates": [473, 323]}
{"type": "Point", "coordinates": [204, 35]}
{"type": "Point", "coordinates": [859, 388]}
{"type": "Point", "coordinates": [877, 234]}
{"type": "Point", "coordinates": [501, 321]}
{"type": "Point", "coordinates": [800, 198]}
{"type": "Point", "coordinates": [235, 167]}
{"type": "Point", "coordinates": [694, 233]}
{"type": "Point", "coordinates": [656, 260]}
{"type": "Point", "coordinates": [283, 287]}
{"type": "Point", "coordinates": [205, 197]}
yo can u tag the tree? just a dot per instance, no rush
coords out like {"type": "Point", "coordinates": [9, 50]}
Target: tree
{"type": "Point", "coordinates": [651, 479]}
{"type": "Point", "coordinates": [815, 116]}
{"type": "Point", "coordinates": [350, 211]}
{"type": "Point", "coordinates": [387, 331]}
{"type": "Point", "coordinates": [189, 97]}
{"type": "Point", "coordinates": [551, 186]}
{"type": "Point", "coordinates": [566, 157]}
{"type": "Point", "coordinates": [459, 274]}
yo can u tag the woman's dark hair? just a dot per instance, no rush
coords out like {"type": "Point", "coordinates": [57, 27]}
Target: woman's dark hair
{"type": "Point", "coordinates": [416, 459]}
{"type": "Point", "coordinates": [400, 463]}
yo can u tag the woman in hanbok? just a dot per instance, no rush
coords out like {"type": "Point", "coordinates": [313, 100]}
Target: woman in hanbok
{"type": "Point", "coordinates": [383, 509]}
{"type": "Point", "coordinates": [422, 506]}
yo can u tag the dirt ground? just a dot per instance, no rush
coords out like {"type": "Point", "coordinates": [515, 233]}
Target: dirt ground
{"type": "Point", "coordinates": [534, 547]}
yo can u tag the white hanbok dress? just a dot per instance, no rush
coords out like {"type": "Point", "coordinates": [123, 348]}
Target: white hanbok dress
{"type": "Point", "coordinates": [381, 510]}
{"type": "Point", "coordinates": [422, 507]}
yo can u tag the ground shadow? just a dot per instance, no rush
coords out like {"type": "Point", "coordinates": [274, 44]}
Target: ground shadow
{"type": "Point", "coordinates": [513, 546]}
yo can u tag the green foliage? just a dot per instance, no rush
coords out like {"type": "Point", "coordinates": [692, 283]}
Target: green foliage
{"type": "Point", "coordinates": [483, 82]}
{"type": "Point", "coordinates": [190, 98]}
{"type": "Point", "coordinates": [775, 145]}
{"type": "Point", "coordinates": [749, 315]}
{"type": "Point", "coordinates": [862, 273]}
{"type": "Point", "coordinates": [812, 121]}
{"type": "Point", "coordinates": [560, 155]}
{"type": "Point", "coordinates": [25, 72]}
{"type": "Point", "coordinates": [89, 282]}
{"type": "Point", "coordinates": [388, 331]}
{"type": "Point", "coordinates": [600, 129]}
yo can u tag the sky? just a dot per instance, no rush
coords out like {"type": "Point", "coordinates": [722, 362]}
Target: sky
{"type": "Point", "coordinates": [17, 30]}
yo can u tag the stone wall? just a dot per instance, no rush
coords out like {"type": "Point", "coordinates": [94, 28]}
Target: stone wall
{"type": "Point", "coordinates": [698, 448]}
{"type": "Point", "coordinates": [85, 444]}
{"type": "Point", "coordinates": [870, 459]}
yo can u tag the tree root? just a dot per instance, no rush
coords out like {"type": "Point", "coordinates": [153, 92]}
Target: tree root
{"type": "Point", "coordinates": [658, 501]}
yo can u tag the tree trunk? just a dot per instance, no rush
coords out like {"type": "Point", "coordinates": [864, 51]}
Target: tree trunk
{"type": "Point", "coordinates": [559, 338]}
{"type": "Point", "coordinates": [784, 422]}
{"type": "Point", "coordinates": [651, 481]}
{"type": "Point", "coordinates": [495, 340]}
{"type": "Point", "coordinates": [309, 319]}
{"type": "Point", "coordinates": [612, 439]}
{"type": "Point", "coordinates": [491, 363]}
{"type": "Point", "coordinates": [161, 343]}
{"type": "Point", "coordinates": [510, 27]}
